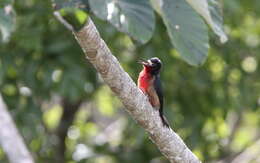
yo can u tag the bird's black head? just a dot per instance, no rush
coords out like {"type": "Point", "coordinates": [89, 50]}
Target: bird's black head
{"type": "Point", "coordinates": [153, 65]}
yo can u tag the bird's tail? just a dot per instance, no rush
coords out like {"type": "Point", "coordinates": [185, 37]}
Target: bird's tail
{"type": "Point", "coordinates": [163, 118]}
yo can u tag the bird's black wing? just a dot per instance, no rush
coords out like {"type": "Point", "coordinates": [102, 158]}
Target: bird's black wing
{"type": "Point", "coordinates": [159, 91]}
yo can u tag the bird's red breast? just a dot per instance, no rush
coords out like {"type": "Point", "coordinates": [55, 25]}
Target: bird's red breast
{"type": "Point", "coordinates": [144, 80]}
{"type": "Point", "coordinates": [146, 84]}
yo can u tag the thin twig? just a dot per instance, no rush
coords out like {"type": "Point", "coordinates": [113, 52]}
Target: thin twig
{"type": "Point", "coordinates": [63, 21]}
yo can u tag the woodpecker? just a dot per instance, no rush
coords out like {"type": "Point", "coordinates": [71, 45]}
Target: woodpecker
{"type": "Point", "coordinates": [149, 82]}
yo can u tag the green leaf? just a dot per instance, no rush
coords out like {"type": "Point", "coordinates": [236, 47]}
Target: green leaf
{"type": "Point", "coordinates": [73, 11]}
{"type": "Point", "coordinates": [216, 14]}
{"type": "Point", "coordinates": [135, 17]}
{"type": "Point", "coordinates": [7, 22]}
{"type": "Point", "coordinates": [211, 12]}
{"type": "Point", "coordinates": [52, 116]}
{"type": "Point", "coordinates": [81, 16]}
{"type": "Point", "coordinates": [74, 16]}
{"type": "Point", "coordinates": [187, 30]}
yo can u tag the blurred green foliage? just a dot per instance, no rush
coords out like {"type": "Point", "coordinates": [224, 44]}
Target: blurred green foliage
{"type": "Point", "coordinates": [214, 108]}
{"type": "Point", "coordinates": [136, 18]}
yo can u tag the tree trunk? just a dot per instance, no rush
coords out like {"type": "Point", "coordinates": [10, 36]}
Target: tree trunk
{"type": "Point", "coordinates": [10, 139]}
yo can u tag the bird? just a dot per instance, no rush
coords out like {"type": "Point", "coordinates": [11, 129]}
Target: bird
{"type": "Point", "coordinates": [150, 84]}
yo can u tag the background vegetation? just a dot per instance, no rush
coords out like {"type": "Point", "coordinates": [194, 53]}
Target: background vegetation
{"type": "Point", "coordinates": [64, 111]}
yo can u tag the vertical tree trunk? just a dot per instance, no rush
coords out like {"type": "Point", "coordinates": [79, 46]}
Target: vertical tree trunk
{"type": "Point", "coordinates": [10, 139]}
{"type": "Point", "coordinates": [69, 110]}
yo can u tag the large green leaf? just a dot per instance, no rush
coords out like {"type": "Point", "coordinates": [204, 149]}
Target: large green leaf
{"type": "Point", "coordinates": [134, 17]}
{"type": "Point", "coordinates": [210, 11]}
{"type": "Point", "coordinates": [216, 14]}
{"type": "Point", "coordinates": [187, 30]}
{"type": "Point", "coordinates": [7, 21]}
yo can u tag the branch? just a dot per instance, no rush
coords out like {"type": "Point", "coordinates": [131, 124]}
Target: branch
{"type": "Point", "coordinates": [237, 155]}
{"type": "Point", "coordinates": [249, 154]}
{"type": "Point", "coordinates": [135, 102]}
{"type": "Point", "coordinates": [10, 139]}
{"type": "Point", "coordinates": [63, 21]}
{"type": "Point", "coordinates": [235, 124]}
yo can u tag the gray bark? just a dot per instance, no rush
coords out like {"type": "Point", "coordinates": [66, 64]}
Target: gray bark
{"type": "Point", "coordinates": [10, 139]}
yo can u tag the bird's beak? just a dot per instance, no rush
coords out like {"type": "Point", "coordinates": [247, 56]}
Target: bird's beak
{"type": "Point", "coordinates": [143, 62]}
